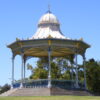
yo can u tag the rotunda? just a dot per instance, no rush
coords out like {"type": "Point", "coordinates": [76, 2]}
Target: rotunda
{"type": "Point", "coordinates": [48, 41]}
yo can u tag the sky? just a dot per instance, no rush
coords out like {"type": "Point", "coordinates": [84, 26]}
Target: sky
{"type": "Point", "coordinates": [19, 19]}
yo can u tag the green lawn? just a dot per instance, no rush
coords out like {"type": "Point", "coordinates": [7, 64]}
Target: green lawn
{"type": "Point", "coordinates": [53, 98]}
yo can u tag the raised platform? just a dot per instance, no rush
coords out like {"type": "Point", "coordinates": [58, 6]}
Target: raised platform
{"type": "Point", "coordinates": [44, 92]}
{"type": "Point", "coordinates": [40, 88]}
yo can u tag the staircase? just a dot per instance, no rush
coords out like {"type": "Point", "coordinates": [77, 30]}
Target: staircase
{"type": "Point", "coordinates": [43, 91]}
{"type": "Point", "coordinates": [32, 92]}
{"type": "Point", "coordinates": [59, 91]}
{"type": "Point", "coordinates": [8, 92]}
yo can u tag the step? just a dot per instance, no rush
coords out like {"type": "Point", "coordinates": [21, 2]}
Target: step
{"type": "Point", "coordinates": [44, 92]}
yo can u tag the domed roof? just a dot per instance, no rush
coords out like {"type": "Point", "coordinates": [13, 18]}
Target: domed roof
{"type": "Point", "coordinates": [48, 27]}
{"type": "Point", "coordinates": [48, 18]}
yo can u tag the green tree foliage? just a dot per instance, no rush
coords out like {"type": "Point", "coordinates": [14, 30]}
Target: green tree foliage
{"type": "Point", "coordinates": [59, 69]}
{"type": "Point", "coordinates": [4, 88]}
{"type": "Point", "coordinates": [93, 75]}
{"type": "Point", "coordinates": [41, 71]}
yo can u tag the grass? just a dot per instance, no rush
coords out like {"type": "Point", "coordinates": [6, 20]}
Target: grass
{"type": "Point", "coordinates": [53, 98]}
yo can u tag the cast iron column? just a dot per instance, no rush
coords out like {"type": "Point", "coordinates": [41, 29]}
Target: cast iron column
{"type": "Point", "coordinates": [72, 71]}
{"type": "Point", "coordinates": [49, 74]}
{"type": "Point", "coordinates": [72, 75]}
{"type": "Point", "coordinates": [77, 85]}
{"type": "Point", "coordinates": [24, 68]}
{"type": "Point", "coordinates": [12, 71]}
{"type": "Point", "coordinates": [84, 60]}
{"type": "Point", "coordinates": [22, 57]}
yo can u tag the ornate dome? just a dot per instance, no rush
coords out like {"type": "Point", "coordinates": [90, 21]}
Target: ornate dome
{"type": "Point", "coordinates": [48, 18]}
{"type": "Point", "coordinates": [48, 27]}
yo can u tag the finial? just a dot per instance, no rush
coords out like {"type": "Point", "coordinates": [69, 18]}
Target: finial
{"type": "Point", "coordinates": [49, 8]}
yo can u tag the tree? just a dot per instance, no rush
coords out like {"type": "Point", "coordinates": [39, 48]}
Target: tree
{"type": "Point", "coordinates": [41, 71]}
{"type": "Point", "coordinates": [93, 75]}
{"type": "Point", "coordinates": [4, 88]}
{"type": "Point", "coordinates": [58, 70]}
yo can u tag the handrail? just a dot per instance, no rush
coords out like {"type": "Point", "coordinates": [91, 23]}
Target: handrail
{"type": "Point", "coordinates": [33, 80]}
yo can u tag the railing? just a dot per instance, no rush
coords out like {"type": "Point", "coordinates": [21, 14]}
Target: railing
{"type": "Point", "coordinates": [65, 84]}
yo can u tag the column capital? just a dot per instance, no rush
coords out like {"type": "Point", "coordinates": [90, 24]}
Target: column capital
{"type": "Point", "coordinates": [84, 57]}
{"type": "Point", "coordinates": [13, 56]}
{"type": "Point", "coordinates": [22, 52]}
{"type": "Point", "coordinates": [75, 49]}
{"type": "Point", "coordinates": [25, 58]}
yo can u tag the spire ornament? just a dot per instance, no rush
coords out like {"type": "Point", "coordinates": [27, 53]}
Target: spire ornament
{"type": "Point", "coordinates": [49, 8]}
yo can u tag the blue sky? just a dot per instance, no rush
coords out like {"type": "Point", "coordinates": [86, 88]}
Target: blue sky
{"type": "Point", "coordinates": [19, 18]}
